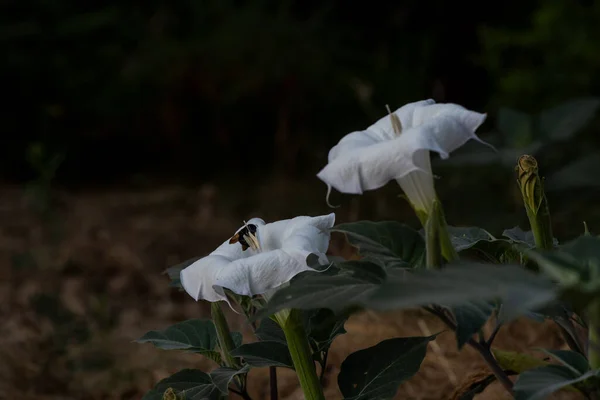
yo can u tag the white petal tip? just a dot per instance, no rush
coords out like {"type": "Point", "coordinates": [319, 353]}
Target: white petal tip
{"type": "Point", "coordinates": [327, 198]}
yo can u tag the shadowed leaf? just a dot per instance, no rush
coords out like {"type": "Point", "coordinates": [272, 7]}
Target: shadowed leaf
{"type": "Point", "coordinates": [190, 384]}
{"type": "Point", "coordinates": [264, 354]}
{"type": "Point", "coordinates": [539, 383]}
{"type": "Point", "coordinates": [376, 372]}
{"type": "Point", "coordinates": [397, 243]}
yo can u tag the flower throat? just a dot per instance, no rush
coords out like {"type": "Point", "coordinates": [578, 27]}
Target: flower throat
{"type": "Point", "coordinates": [246, 237]}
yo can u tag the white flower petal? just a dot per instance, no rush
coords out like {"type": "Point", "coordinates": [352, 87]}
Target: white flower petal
{"type": "Point", "coordinates": [470, 119]}
{"type": "Point", "coordinates": [418, 185]}
{"type": "Point", "coordinates": [383, 128]}
{"type": "Point", "coordinates": [445, 133]}
{"type": "Point", "coordinates": [275, 235]}
{"type": "Point", "coordinates": [198, 279]}
{"type": "Point", "coordinates": [372, 167]}
{"type": "Point", "coordinates": [354, 141]}
{"type": "Point", "coordinates": [261, 272]}
{"type": "Point", "coordinates": [289, 243]}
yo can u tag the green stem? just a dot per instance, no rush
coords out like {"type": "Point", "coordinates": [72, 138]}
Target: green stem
{"type": "Point", "coordinates": [433, 252]}
{"type": "Point", "coordinates": [297, 341]}
{"type": "Point", "coordinates": [223, 335]}
{"type": "Point", "coordinates": [436, 235]}
{"type": "Point", "coordinates": [594, 334]}
{"type": "Point", "coordinates": [448, 250]}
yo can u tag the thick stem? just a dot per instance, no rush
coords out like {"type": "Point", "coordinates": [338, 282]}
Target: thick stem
{"type": "Point", "coordinates": [491, 362]}
{"type": "Point", "coordinates": [594, 334]}
{"type": "Point", "coordinates": [273, 383]}
{"type": "Point", "coordinates": [292, 326]}
{"type": "Point", "coordinates": [436, 232]}
{"type": "Point", "coordinates": [433, 253]}
{"type": "Point", "coordinates": [223, 335]}
{"type": "Point", "coordinates": [448, 250]}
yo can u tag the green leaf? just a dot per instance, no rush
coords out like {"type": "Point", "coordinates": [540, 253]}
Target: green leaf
{"type": "Point", "coordinates": [376, 372]}
{"type": "Point", "coordinates": [517, 362]}
{"type": "Point", "coordinates": [563, 121]}
{"type": "Point", "coordinates": [316, 290]}
{"type": "Point", "coordinates": [195, 335]}
{"type": "Point", "coordinates": [470, 317]}
{"type": "Point", "coordinates": [466, 237]}
{"type": "Point", "coordinates": [576, 267]}
{"type": "Point", "coordinates": [478, 242]}
{"type": "Point", "coordinates": [221, 377]}
{"type": "Point", "coordinates": [451, 286]}
{"type": "Point", "coordinates": [537, 384]}
{"type": "Point", "coordinates": [265, 354]}
{"type": "Point", "coordinates": [191, 384]}
{"type": "Point", "coordinates": [324, 326]}
{"type": "Point", "coordinates": [175, 271]}
{"type": "Point", "coordinates": [237, 338]}
{"type": "Point", "coordinates": [398, 243]}
{"type": "Point", "coordinates": [459, 283]}
{"type": "Point", "coordinates": [577, 363]}
{"type": "Point", "coordinates": [269, 330]}
{"type": "Point", "coordinates": [561, 267]}
{"type": "Point", "coordinates": [517, 127]}
{"type": "Point", "coordinates": [518, 235]}
{"type": "Point", "coordinates": [367, 270]}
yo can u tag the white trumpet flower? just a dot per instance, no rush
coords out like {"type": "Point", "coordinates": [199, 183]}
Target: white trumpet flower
{"type": "Point", "coordinates": [397, 148]}
{"type": "Point", "coordinates": [259, 258]}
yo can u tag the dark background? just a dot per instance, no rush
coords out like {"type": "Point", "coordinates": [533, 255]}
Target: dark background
{"type": "Point", "coordinates": [136, 135]}
{"type": "Point", "coordinates": [197, 88]}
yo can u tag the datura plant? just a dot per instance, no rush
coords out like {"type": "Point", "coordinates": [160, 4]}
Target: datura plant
{"type": "Point", "coordinates": [296, 299]}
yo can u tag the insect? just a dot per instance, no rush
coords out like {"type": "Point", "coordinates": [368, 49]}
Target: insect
{"type": "Point", "coordinates": [245, 235]}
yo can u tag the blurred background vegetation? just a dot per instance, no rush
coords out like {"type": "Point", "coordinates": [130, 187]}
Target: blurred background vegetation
{"type": "Point", "coordinates": [243, 99]}
{"type": "Point", "coordinates": [220, 89]}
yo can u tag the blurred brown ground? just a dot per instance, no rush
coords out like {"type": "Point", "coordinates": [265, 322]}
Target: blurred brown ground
{"type": "Point", "coordinates": [78, 287]}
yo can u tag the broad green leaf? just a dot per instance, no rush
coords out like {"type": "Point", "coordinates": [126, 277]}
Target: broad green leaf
{"type": "Point", "coordinates": [398, 243]}
{"type": "Point", "coordinates": [570, 359]}
{"type": "Point", "coordinates": [459, 283]}
{"type": "Point", "coordinates": [466, 237]}
{"type": "Point", "coordinates": [451, 286]}
{"type": "Point", "coordinates": [174, 272]}
{"type": "Point", "coordinates": [376, 372]}
{"type": "Point", "coordinates": [190, 384]}
{"type": "Point", "coordinates": [539, 383]}
{"type": "Point", "coordinates": [470, 318]}
{"type": "Point", "coordinates": [237, 338]}
{"type": "Point", "coordinates": [269, 330]}
{"type": "Point", "coordinates": [518, 362]}
{"type": "Point", "coordinates": [195, 335]}
{"type": "Point", "coordinates": [265, 354]}
{"type": "Point", "coordinates": [518, 235]}
{"type": "Point", "coordinates": [563, 121]}
{"type": "Point", "coordinates": [316, 290]}
{"type": "Point", "coordinates": [477, 242]}
{"type": "Point", "coordinates": [221, 377]}
{"type": "Point", "coordinates": [368, 270]}
{"type": "Point", "coordinates": [557, 265]}
{"type": "Point", "coordinates": [576, 267]}
{"type": "Point", "coordinates": [323, 327]}
{"type": "Point", "coordinates": [517, 127]}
